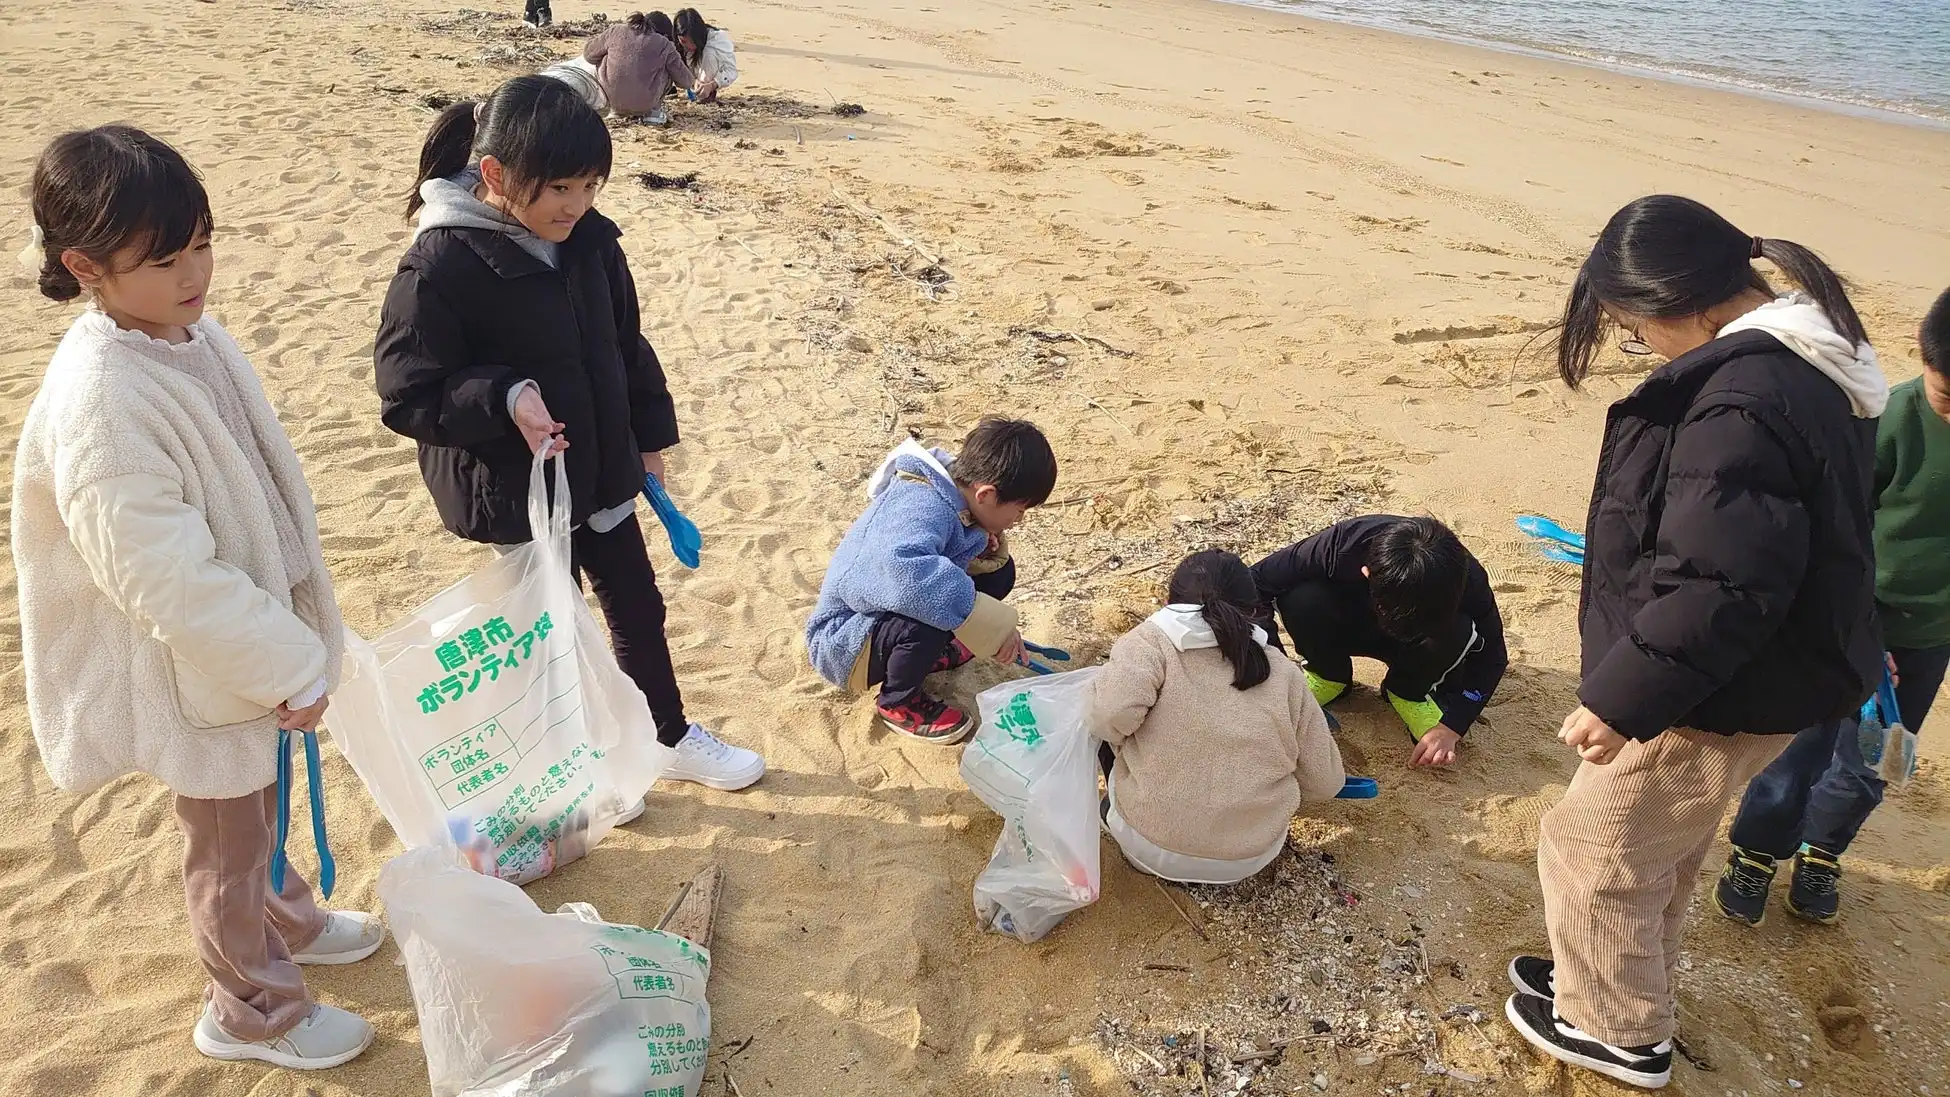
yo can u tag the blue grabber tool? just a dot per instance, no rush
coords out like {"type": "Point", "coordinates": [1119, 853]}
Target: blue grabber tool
{"type": "Point", "coordinates": [1554, 542]}
{"type": "Point", "coordinates": [1359, 788]}
{"type": "Point", "coordinates": [685, 540]}
{"type": "Point", "coordinates": [327, 868]}
{"type": "Point", "coordinates": [1057, 655]}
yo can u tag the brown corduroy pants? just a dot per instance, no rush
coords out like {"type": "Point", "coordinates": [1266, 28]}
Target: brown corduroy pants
{"type": "Point", "coordinates": [244, 932]}
{"type": "Point", "coordinates": [1619, 857]}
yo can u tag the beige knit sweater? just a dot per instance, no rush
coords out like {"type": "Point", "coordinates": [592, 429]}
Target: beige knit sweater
{"type": "Point", "coordinates": [172, 588]}
{"type": "Point", "coordinates": [1203, 769]}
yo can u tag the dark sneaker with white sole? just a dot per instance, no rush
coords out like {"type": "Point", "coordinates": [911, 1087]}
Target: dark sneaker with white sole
{"type": "Point", "coordinates": [1741, 893]}
{"type": "Point", "coordinates": [1535, 976]}
{"type": "Point", "coordinates": [1814, 892]}
{"type": "Point", "coordinates": [1537, 1021]}
{"type": "Point", "coordinates": [924, 718]}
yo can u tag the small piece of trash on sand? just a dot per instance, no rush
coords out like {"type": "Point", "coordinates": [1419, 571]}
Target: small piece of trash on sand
{"type": "Point", "coordinates": [654, 181]}
{"type": "Point", "coordinates": [849, 110]}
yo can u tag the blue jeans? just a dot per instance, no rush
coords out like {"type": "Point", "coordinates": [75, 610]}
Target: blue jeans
{"type": "Point", "coordinates": [1819, 791]}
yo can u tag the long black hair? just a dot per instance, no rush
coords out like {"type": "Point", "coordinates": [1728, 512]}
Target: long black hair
{"type": "Point", "coordinates": [539, 128]}
{"type": "Point", "coordinates": [1223, 586]}
{"type": "Point", "coordinates": [660, 23]}
{"type": "Point", "coordinates": [689, 24]}
{"type": "Point", "coordinates": [104, 190]}
{"type": "Point", "coordinates": [1668, 257]}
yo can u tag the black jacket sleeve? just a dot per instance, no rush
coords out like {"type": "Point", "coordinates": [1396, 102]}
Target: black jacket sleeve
{"type": "Point", "coordinates": [653, 414]}
{"type": "Point", "coordinates": [428, 391]}
{"type": "Point", "coordinates": [1313, 558]}
{"type": "Point", "coordinates": [1465, 692]}
{"type": "Point", "coordinates": [1731, 550]}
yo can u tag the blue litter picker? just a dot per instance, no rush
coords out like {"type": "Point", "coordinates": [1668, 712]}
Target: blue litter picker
{"type": "Point", "coordinates": [685, 540]}
{"type": "Point", "coordinates": [1553, 541]}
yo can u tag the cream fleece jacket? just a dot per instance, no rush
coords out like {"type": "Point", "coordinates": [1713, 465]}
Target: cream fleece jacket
{"type": "Point", "coordinates": [160, 625]}
{"type": "Point", "coordinates": [1203, 769]}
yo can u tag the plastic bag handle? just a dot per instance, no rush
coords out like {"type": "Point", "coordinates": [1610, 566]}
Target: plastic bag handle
{"type": "Point", "coordinates": [545, 521]}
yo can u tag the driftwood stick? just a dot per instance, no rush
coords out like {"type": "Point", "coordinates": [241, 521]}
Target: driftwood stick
{"type": "Point", "coordinates": [1189, 921]}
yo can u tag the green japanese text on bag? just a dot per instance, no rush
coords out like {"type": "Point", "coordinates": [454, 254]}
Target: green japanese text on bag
{"type": "Point", "coordinates": [494, 720]}
{"type": "Point", "coordinates": [516, 1003]}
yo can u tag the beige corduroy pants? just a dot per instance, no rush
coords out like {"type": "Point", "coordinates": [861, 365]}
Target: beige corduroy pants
{"type": "Point", "coordinates": [1618, 858]}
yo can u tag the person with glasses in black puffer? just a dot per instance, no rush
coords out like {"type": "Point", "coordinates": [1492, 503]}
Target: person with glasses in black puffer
{"type": "Point", "coordinates": [1728, 602]}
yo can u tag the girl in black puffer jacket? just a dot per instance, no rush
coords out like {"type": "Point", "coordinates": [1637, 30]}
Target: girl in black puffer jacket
{"type": "Point", "coordinates": [512, 326]}
{"type": "Point", "coordinates": [1728, 598]}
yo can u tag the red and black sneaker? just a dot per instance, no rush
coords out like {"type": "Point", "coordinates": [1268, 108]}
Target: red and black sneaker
{"type": "Point", "coordinates": [956, 657]}
{"type": "Point", "coordinates": [924, 718]}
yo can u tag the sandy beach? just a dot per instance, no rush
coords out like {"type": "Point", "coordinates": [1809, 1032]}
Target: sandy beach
{"type": "Point", "coordinates": [1251, 272]}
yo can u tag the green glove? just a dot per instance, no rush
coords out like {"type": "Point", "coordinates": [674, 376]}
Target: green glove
{"type": "Point", "coordinates": [1325, 692]}
{"type": "Point", "coordinates": [1420, 716]}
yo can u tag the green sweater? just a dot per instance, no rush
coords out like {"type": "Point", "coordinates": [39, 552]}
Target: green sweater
{"type": "Point", "coordinates": [1913, 520]}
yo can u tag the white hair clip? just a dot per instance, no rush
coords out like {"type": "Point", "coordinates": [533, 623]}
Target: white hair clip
{"type": "Point", "coordinates": [34, 255]}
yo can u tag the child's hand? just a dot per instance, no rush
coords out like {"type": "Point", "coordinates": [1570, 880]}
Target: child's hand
{"type": "Point", "coordinates": [1437, 748]}
{"type": "Point", "coordinates": [538, 428]}
{"type": "Point", "coordinates": [653, 465]}
{"type": "Point", "coordinates": [1012, 651]}
{"type": "Point", "coordinates": [303, 719]}
{"type": "Point", "coordinates": [1591, 737]}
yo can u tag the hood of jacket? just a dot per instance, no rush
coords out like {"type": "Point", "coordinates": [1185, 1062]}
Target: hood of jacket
{"type": "Point", "coordinates": [1185, 626]}
{"type": "Point", "coordinates": [451, 204]}
{"type": "Point", "coordinates": [913, 458]}
{"type": "Point", "coordinates": [1805, 329]}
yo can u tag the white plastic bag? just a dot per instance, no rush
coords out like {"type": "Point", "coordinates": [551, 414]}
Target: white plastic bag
{"type": "Point", "coordinates": [582, 76]}
{"type": "Point", "coordinates": [517, 1003]}
{"type": "Point", "coordinates": [1035, 762]}
{"type": "Point", "coordinates": [494, 719]}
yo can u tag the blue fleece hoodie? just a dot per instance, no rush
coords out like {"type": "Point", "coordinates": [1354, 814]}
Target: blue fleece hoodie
{"type": "Point", "coordinates": [908, 554]}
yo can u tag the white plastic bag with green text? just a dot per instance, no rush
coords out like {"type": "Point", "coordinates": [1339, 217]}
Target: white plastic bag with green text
{"type": "Point", "coordinates": [516, 1003]}
{"type": "Point", "coordinates": [494, 720]}
{"type": "Point", "coordinates": [1035, 762]}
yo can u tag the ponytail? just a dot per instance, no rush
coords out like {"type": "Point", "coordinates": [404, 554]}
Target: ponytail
{"type": "Point", "coordinates": [1223, 587]}
{"type": "Point", "coordinates": [1234, 631]}
{"type": "Point", "coordinates": [539, 128]}
{"type": "Point", "coordinates": [638, 22]}
{"type": "Point", "coordinates": [1665, 257]}
{"type": "Point", "coordinates": [446, 150]}
{"type": "Point", "coordinates": [1816, 278]}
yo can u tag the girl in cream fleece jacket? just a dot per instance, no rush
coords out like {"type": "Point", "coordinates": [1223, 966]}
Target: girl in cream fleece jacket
{"type": "Point", "coordinates": [1217, 738]}
{"type": "Point", "coordinates": [175, 607]}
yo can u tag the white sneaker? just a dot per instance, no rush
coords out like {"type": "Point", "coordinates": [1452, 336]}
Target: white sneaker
{"type": "Point", "coordinates": [349, 937]}
{"type": "Point", "coordinates": [710, 761]}
{"type": "Point", "coordinates": [327, 1038]}
{"type": "Point", "coordinates": [630, 814]}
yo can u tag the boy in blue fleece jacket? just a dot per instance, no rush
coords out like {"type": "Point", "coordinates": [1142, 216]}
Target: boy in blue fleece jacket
{"type": "Point", "coordinates": [916, 586]}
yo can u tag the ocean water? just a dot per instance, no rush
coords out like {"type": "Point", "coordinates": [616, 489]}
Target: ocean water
{"type": "Point", "coordinates": [1883, 54]}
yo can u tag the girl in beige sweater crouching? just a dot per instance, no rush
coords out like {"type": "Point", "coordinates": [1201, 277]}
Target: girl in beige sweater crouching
{"type": "Point", "coordinates": [1216, 737]}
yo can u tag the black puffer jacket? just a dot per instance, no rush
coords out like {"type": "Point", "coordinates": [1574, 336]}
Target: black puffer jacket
{"type": "Point", "coordinates": [470, 314]}
{"type": "Point", "coordinates": [1729, 578]}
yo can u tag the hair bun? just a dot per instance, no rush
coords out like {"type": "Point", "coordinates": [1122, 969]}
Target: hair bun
{"type": "Point", "coordinates": [57, 281]}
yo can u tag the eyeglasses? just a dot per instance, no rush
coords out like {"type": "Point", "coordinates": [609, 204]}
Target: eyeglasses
{"type": "Point", "coordinates": [1634, 345]}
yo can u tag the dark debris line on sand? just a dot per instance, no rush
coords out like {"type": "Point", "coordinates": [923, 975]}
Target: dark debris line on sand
{"type": "Point", "coordinates": [653, 181]}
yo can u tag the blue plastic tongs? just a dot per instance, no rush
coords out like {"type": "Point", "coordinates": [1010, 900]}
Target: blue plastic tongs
{"type": "Point", "coordinates": [685, 540]}
{"type": "Point", "coordinates": [327, 868]}
{"type": "Point", "coordinates": [1553, 540]}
